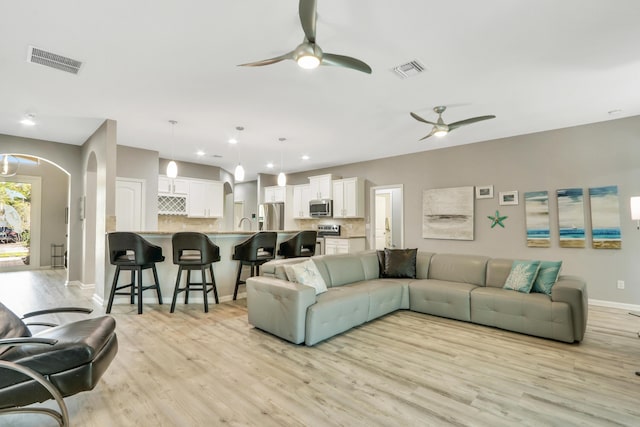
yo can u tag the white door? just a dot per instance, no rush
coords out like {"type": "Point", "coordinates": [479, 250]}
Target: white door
{"type": "Point", "coordinates": [382, 220]}
{"type": "Point", "coordinates": [129, 207]}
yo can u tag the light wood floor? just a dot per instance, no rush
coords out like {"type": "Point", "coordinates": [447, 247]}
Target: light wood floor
{"type": "Point", "coordinates": [406, 369]}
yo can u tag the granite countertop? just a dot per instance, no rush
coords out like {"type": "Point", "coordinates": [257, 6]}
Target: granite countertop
{"type": "Point", "coordinates": [344, 237]}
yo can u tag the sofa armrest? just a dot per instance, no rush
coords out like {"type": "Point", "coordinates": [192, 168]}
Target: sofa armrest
{"type": "Point", "coordinates": [573, 291]}
{"type": "Point", "coordinates": [279, 307]}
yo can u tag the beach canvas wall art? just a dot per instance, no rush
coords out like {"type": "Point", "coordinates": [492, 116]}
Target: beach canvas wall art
{"type": "Point", "coordinates": [536, 206]}
{"type": "Point", "coordinates": [571, 217]}
{"type": "Point", "coordinates": [605, 217]}
{"type": "Point", "coordinates": [447, 213]}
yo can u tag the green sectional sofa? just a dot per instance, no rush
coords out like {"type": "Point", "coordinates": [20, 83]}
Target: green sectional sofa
{"type": "Point", "coordinates": [462, 287]}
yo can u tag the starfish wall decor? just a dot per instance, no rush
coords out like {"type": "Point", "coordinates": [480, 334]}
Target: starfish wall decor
{"type": "Point", "coordinates": [497, 219]}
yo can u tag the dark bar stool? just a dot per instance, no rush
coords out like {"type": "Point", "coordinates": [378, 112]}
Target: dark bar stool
{"type": "Point", "coordinates": [255, 251]}
{"type": "Point", "coordinates": [129, 251]}
{"type": "Point", "coordinates": [302, 244]}
{"type": "Point", "coordinates": [194, 251]}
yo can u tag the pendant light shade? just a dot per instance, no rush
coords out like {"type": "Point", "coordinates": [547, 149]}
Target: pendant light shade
{"type": "Point", "coordinates": [172, 169]}
{"type": "Point", "coordinates": [172, 166]}
{"type": "Point", "coordinates": [238, 174]}
{"type": "Point", "coordinates": [282, 179]}
{"type": "Point", "coordinates": [8, 165]}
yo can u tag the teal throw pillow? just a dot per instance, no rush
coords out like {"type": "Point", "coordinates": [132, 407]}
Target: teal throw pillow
{"type": "Point", "coordinates": [522, 276]}
{"type": "Point", "coordinates": [547, 276]}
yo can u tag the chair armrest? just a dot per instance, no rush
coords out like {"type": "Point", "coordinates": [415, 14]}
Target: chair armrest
{"type": "Point", "coordinates": [27, 340]}
{"type": "Point", "coordinates": [279, 307]}
{"type": "Point", "coordinates": [573, 291]}
{"type": "Point", "coordinates": [58, 310]}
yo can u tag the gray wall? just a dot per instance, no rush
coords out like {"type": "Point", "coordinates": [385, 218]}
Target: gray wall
{"type": "Point", "coordinates": [599, 154]}
{"type": "Point", "coordinates": [193, 170]}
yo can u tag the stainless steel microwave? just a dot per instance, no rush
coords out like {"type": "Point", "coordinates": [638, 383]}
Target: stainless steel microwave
{"type": "Point", "coordinates": [321, 208]}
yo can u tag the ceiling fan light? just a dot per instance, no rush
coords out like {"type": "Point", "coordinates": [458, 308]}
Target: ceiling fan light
{"type": "Point", "coordinates": [440, 133]}
{"type": "Point", "coordinates": [29, 120]}
{"type": "Point", "coordinates": [308, 62]}
{"type": "Point", "coordinates": [172, 169]}
{"type": "Point", "coordinates": [282, 179]}
{"type": "Point", "coordinates": [238, 174]}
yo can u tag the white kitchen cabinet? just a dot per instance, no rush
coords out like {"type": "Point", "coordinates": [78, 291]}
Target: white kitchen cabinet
{"type": "Point", "coordinates": [348, 198]}
{"type": "Point", "coordinates": [173, 186]}
{"type": "Point", "coordinates": [320, 186]}
{"type": "Point", "coordinates": [350, 245]}
{"type": "Point", "coordinates": [301, 197]}
{"type": "Point", "coordinates": [275, 194]}
{"type": "Point", "coordinates": [205, 199]}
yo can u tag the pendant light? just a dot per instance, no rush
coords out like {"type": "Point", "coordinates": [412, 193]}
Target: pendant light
{"type": "Point", "coordinates": [172, 166]}
{"type": "Point", "coordinates": [8, 165]}
{"type": "Point", "coordinates": [282, 178]}
{"type": "Point", "coordinates": [238, 173]}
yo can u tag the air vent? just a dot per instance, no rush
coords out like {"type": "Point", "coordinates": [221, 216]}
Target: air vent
{"type": "Point", "coordinates": [216, 156]}
{"type": "Point", "coordinates": [53, 60]}
{"type": "Point", "coordinates": [410, 69]}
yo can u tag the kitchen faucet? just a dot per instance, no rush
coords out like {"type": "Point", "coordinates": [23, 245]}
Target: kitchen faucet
{"type": "Point", "coordinates": [242, 219]}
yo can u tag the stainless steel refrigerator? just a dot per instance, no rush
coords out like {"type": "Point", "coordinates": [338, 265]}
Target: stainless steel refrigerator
{"type": "Point", "coordinates": [271, 216]}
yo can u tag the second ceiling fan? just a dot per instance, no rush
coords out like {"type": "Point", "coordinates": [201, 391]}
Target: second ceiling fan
{"type": "Point", "coordinates": [308, 54]}
{"type": "Point", "coordinates": [440, 128]}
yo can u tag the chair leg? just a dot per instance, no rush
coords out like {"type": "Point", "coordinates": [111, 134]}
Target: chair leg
{"type": "Point", "coordinates": [176, 290]}
{"type": "Point", "coordinates": [155, 277]}
{"type": "Point", "coordinates": [113, 289]}
{"type": "Point", "coordinates": [187, 289]}
{"type": "Point", "coordinates": [203, 271]}
{"type": "Point", "coordinates": [139, 290]}
{"type": "Point", "coordinates": [132, 295]}
{"type": "Point", "coordinates": [235, 291]}
{"type": "Point", "coordinates": [213, 284]}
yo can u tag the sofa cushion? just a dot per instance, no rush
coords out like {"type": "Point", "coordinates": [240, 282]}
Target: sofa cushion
{"type": "Point", "coordinates": [306, 273]}
{"type": "Point", "coordinates": [459, 268]}
{"type": "Point", "coordinates": [498, 270]}
{"type": "Point", "coordinates": [522, 275]}
{"type": "Point", "coordinates": [441, 298]}
{"type": "Point", "coordinates": [338, 270]}
{"type": "Point", "coordinates": [398, 263]}
{"type": "Point", "coordinates": [385, 296]}
{"type": "Point", "coordinates": [547, 276]}
{"type": "Point", "coordinates": [533, 314]}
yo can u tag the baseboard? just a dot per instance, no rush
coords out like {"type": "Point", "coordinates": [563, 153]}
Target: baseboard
{"type": "Point", "coordinates": [98, 299]}
{"type": "Point", "coordinates": [613, 304]}
{"type": "Point", "coordinates": [79, 284]}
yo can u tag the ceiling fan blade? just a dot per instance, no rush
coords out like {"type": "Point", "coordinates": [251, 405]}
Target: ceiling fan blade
{"type": "Point", "coordinates": [268, 61]}
{"type": "Point", "coordinates": [420, 119]}
{"type": "Point", "coordinates": [433, 131]}
{"type": "Point", "coordinates": [307, 12]}
{"type": "Point", "coordinates": [469, 121]}
{"type": "Point", "coordinates": [345, 61]}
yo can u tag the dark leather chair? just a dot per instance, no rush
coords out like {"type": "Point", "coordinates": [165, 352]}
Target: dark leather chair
{"type": "Point", "coordinates": [54, 363]}
{"type": "Point", "coordinates": [194, 251]}
{"type": "Point", "coordinates": [255, 251]}
{"type": "Point", "coordinates": [129, 251]}
{"type": "Point", "coordinates": [302, 244]}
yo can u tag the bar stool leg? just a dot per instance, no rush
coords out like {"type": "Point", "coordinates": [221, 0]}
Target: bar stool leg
{"type": "Point", "coordinates": [213, 284]}
{"type": "Point", "coordinates": [139, 290]}
{"type": "Point", "coordinates": [176, 290]}
{"type": "Point", "coordinates": [203, 271]}
{"type": "Point", "coordinates": [132, 295]}
{"type": "Point", "coordinates": [113, 289]}
{"type": "Point", "coordinates": [155, 277]}
{"type": "Point", "coordinates": [235, 291]}
{"type": "Point", "coordinates": [187, 288]}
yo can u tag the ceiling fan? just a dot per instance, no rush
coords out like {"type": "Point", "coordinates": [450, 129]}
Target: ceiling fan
{"type": "Point", "coordinates": [440, 128]}
{"type": "Point", "coordinates": [308, 54]}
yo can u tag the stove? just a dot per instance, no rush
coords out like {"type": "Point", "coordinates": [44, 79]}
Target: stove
{"type": "Point", "coordinates": [325, 230]}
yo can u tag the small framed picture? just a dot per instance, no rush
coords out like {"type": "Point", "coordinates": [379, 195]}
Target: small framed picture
{"type": "Point", "coordinates": [484, 192]}
{"type": "Point", "coordinates": [508, 197]}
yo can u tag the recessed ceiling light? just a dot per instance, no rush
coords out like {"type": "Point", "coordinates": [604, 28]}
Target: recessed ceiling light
{"type": "Point", "coordinates": [200, 153]}
{"type": "Point", "coordinates": [270, 165]}
{"type": "Point", "coordinates": [28, 120]}
{"type": "Point", "coordinates": [305, 157]}
{"type": "Point", "coordinates": [233, 141]}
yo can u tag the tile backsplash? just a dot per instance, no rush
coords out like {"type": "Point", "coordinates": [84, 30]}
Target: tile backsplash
{"type": "Point", "coordinates": [182, 223]}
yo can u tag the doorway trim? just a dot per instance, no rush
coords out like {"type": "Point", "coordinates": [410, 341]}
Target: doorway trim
{"type": "Point", "coordinates": [397, 218]}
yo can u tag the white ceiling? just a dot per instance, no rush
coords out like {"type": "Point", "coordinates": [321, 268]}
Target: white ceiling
{"type": "Point", "coordinates": [535, 65]}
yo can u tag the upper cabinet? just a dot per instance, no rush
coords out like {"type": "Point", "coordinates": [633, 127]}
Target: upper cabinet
{"type": "Point", "coordinates": [301, 197]}
{"type": "Point", "coordinates": [348, 198]}
{"type": "Point", "coordinates": [205, 199]}
{"type": "Point", "coordinates": [177, 186]}
{"type": "Point", "coordinates": [320, 187]}
{"type": "Point", "coordinates": [275, 194]}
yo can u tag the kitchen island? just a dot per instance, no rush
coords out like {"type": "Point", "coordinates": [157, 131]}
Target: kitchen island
{"type": "Point", "coordinates": [225, 270]}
